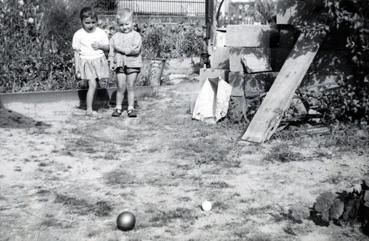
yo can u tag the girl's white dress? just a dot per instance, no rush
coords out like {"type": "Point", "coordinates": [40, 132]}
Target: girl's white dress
{"type": "Point", "coordinates": [93, 64]}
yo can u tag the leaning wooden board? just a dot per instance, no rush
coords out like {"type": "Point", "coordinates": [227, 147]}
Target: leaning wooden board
{"type": "Point", "coordinates": [278, 99]}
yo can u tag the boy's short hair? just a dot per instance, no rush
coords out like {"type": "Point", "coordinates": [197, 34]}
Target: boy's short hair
{"type": "Point", "coordinates": [87, 12]}
{"type": "Point", "coordinates": [125, 14]}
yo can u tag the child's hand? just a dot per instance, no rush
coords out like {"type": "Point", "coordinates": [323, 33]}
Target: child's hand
{"type": "Point", "coordinates": [96, 45]}
{"type": "Point", "coordinates": [112, 65]}
{"type": "Point", "coordinates": [78, 75]}
{"type": "Point", "coordinates": [119, 49]}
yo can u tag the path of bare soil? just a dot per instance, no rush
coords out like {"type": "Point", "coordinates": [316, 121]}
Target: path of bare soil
{"type": "Point", "coordinates": [66, 177]}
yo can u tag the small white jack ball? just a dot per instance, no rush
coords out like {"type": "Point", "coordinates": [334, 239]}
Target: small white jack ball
{"type": "Point", "coordinates": [206, 206]}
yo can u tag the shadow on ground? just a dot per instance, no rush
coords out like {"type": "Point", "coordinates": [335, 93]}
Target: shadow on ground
{"type": "Point", "coordinates": [11, 119]}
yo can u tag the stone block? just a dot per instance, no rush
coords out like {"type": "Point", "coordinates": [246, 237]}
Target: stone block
{"type": "Point", "coordinates": [219, 57]}
{"type": "Point", "coordinates": [247, 36]}
{"type": "Point", "coordinates": [261, 57]}
{"type": "Point", "coordinates": [236, 81]}
{"type": "Point", "coordinates": [255, 83]}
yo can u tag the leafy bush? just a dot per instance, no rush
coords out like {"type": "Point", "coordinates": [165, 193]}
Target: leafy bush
{"type": "Point", "coordinates": [35, 45]}
{"type": "Point", "coordinates": [192, 41]}
{"type": "Point", "coordinates": [171, 40]}
{"type": "Point", "coordinates": [345, 103]}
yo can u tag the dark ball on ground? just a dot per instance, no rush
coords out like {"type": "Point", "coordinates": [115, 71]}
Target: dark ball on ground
{"type": "Point", "coordinates": [126, 221]}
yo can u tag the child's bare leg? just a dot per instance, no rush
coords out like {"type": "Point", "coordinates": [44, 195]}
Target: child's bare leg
{"type": "Point", "coordinates": [131, 79]}
{"type": "Point", "coordinates": [121, 88]}
{"type": "Point", "coordinates": [90, 94]}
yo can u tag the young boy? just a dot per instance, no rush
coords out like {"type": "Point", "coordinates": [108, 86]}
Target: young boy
{"type": "Point", "coordinates": [126, 60]}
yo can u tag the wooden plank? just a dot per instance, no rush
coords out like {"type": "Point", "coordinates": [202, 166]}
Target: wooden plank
{"type": "Point", "coordinates": [278, 99]}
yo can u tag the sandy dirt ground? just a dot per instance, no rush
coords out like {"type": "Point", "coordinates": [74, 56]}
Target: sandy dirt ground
{"type": "Point", "coordinates": [67, 177]}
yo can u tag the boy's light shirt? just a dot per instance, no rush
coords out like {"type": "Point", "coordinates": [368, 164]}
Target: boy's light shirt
{"type": "Point", "coordinates": [82, 42]}
{"type": "Point", "coordinates": [131, 43]}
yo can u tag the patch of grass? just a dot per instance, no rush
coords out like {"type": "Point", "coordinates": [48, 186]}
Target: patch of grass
{"type": "Point", "coordinates": [283, 153]}
{"type": "Point", "coordinates": [183, 167]}
{"type": "Point", "coordinates": [348, 139]}
{"type": "Point", "coordinates": [77, 206]}
{"type": "Point", "coordinates": [43, 192]}
{"type": "Point", "coordinates": [343, 138]}
{"type": "Point", "coordinates": [110, 156]}
{"type": "Point", "coordinates": [220, 206]}
{"type": "Point", "coordinates": [322, 154]}
{"type": "Point", "coordinates": [119, 178]}
{"type": "Point", "coordinates": [110, 153]}
{"type": "Point", "coordinates": [102, 209]}
{"type": "Point", "coordinates": [164, 181]}
{"type": "Point", "coordinates": [205, 151]}
{"type": "Point", "coordinates": [184, 199]}
{"type": "Point", "coordinates": [257, 211]}
{"type": "Point", "coordinates": [163, 218]}
{"type": "Point", "coordinates": [82, 207]}
{"type": "Point", "coordinates": [219, 185]}
{"type": "Point", "coordinates": [240, 233]}
{"type": "Point", "coordinates": [259, 237]}
{"type": "Point", "coordinates": [56, 223]}
{"type": "Point", "coordinates": [82, 144]}
{"type": "Point", "coordinates": [43, 164]}
{"type": "Point", "coordinates": [152, 150]}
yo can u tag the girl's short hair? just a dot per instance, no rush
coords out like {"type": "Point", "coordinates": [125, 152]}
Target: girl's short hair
{"type": "Point", "coordinates": [87, 12]}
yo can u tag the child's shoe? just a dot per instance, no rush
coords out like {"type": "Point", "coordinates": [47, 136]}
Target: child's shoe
{"type": "Point", "coordinates": [132, 113]}
{"type": "Point", "coordinates": [117, 112]}
{"type": "Point", "coordinates": [91, 113]}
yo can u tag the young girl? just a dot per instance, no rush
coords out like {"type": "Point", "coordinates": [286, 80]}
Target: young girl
{"type": "Point", "coordinates": [125, 59]}
{"type": "Point", "coordinates": [89, 44]}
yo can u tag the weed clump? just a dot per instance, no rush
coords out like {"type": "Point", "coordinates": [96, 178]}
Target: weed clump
{"type": "Point", "coordinates": [283, 153]}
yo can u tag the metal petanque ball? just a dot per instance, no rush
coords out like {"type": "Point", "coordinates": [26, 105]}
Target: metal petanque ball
{"type": "Point", "coordinates": [126, 221]}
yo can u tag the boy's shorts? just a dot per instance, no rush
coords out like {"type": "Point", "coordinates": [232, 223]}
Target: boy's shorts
{"type": "Point", "coordinates": [127, 70]}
